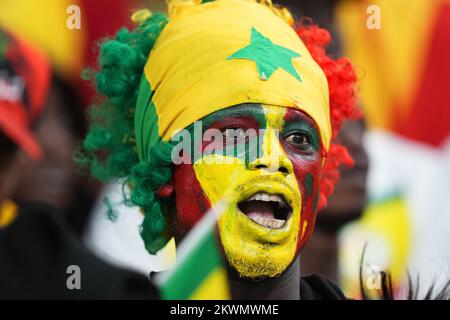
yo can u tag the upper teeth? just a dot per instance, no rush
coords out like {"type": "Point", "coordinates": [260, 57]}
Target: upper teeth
{"type": "Point", "coordinates": [262, 196]}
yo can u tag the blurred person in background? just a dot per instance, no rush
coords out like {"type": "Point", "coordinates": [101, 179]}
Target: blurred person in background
{"type": "Point", "coordinates": [54, 178]}
{"type": "Point", "coordinates": [24, 87]}
{"type": "Point", "coordinates": [401, 52]}
{"type": "Point", "coordinates": [37, 246]}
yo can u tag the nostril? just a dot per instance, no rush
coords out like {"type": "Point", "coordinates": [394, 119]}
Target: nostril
{"type": "Point", "coordinates": [283, 169]}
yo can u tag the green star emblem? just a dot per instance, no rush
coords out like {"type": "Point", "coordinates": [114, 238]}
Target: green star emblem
{"type": "Point", "coordinates": [267, 56]}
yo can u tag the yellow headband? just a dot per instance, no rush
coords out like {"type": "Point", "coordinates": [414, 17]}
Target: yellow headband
{"type": "Point", "coordinates": [227, 52]}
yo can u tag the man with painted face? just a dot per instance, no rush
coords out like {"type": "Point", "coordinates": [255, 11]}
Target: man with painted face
{"type": "Point", "coordinates": [258, 106]}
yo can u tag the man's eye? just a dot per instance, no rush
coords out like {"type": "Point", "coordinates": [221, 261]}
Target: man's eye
{"type": "Point", "coordinates": [298, 140]}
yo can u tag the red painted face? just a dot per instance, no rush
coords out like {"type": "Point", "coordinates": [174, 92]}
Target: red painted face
{"type": "Point", "coordinates": [307, 169]}
{"type": "Point", "coordinates": [272, 193]}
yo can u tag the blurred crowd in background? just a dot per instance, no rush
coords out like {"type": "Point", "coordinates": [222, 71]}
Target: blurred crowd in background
{"type": "Point", "coordinates": [393, 202]}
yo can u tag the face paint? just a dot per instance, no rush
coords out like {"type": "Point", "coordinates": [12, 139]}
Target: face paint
{"type": "Point", "coordinates": [307, 162]}
{"type": "Point", "coordinates": [186, 185]}
{"type": "Point", "coordinates": [267, 199]}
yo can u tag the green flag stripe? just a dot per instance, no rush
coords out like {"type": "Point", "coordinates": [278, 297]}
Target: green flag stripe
{"type": "Point", "coordinates": [204, 259]}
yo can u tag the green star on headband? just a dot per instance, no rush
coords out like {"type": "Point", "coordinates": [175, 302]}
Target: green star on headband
{"type": "Point", "coordinates": [267, 56]}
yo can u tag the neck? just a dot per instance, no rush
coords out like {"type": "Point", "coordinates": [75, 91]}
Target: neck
{"type": "Point", "coordinates": [284, 287]}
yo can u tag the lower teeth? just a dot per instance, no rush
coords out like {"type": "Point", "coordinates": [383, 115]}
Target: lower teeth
{"type": "Point", "coordinates": [269, 223]}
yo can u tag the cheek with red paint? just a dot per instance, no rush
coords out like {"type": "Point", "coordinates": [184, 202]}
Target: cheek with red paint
{"type": "Point", "coordinates": [190, 200]}
{"type": "Point", "coordinates": [307, 172]}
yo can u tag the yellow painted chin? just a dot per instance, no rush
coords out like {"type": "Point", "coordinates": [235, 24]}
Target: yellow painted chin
{"type": "Point", "coordinates": [253, 250]}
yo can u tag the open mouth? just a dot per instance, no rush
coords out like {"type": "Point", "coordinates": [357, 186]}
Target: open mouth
{"type": "Point", "coordinates": [268, 210]}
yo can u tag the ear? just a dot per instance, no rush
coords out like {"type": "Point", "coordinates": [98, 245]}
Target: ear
{"type": "Point", "coordinates": [166, 190]}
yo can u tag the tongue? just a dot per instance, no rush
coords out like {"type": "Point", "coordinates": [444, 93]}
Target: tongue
{"type": "Point", "coordinates": [254, 209]}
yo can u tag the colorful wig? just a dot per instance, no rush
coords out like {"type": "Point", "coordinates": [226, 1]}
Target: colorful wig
{"type": "Point", "coordinates": [109, 150]}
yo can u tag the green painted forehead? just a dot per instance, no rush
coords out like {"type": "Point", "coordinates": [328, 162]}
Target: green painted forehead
{"type": "Point", "coordinates": [258, 113]}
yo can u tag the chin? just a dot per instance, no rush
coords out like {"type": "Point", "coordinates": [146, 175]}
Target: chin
{"type": "Point", "coordinates": [256, 257]}
{"type": "Point", "coordinates": [259, 230]}
{"type": "Point", "coordinates": [257, 265]}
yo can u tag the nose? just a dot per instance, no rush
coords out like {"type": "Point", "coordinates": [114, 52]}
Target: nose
{"type": "Point", "coordinates": [270, 168]}
{"type": "Point", "coordinates": [273, 158]}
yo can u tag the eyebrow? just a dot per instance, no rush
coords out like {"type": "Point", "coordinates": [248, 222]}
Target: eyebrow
{"type": "Point", "coordinates": [301, 122]}
{"type": "Point", "coordinates": [295, 115]}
